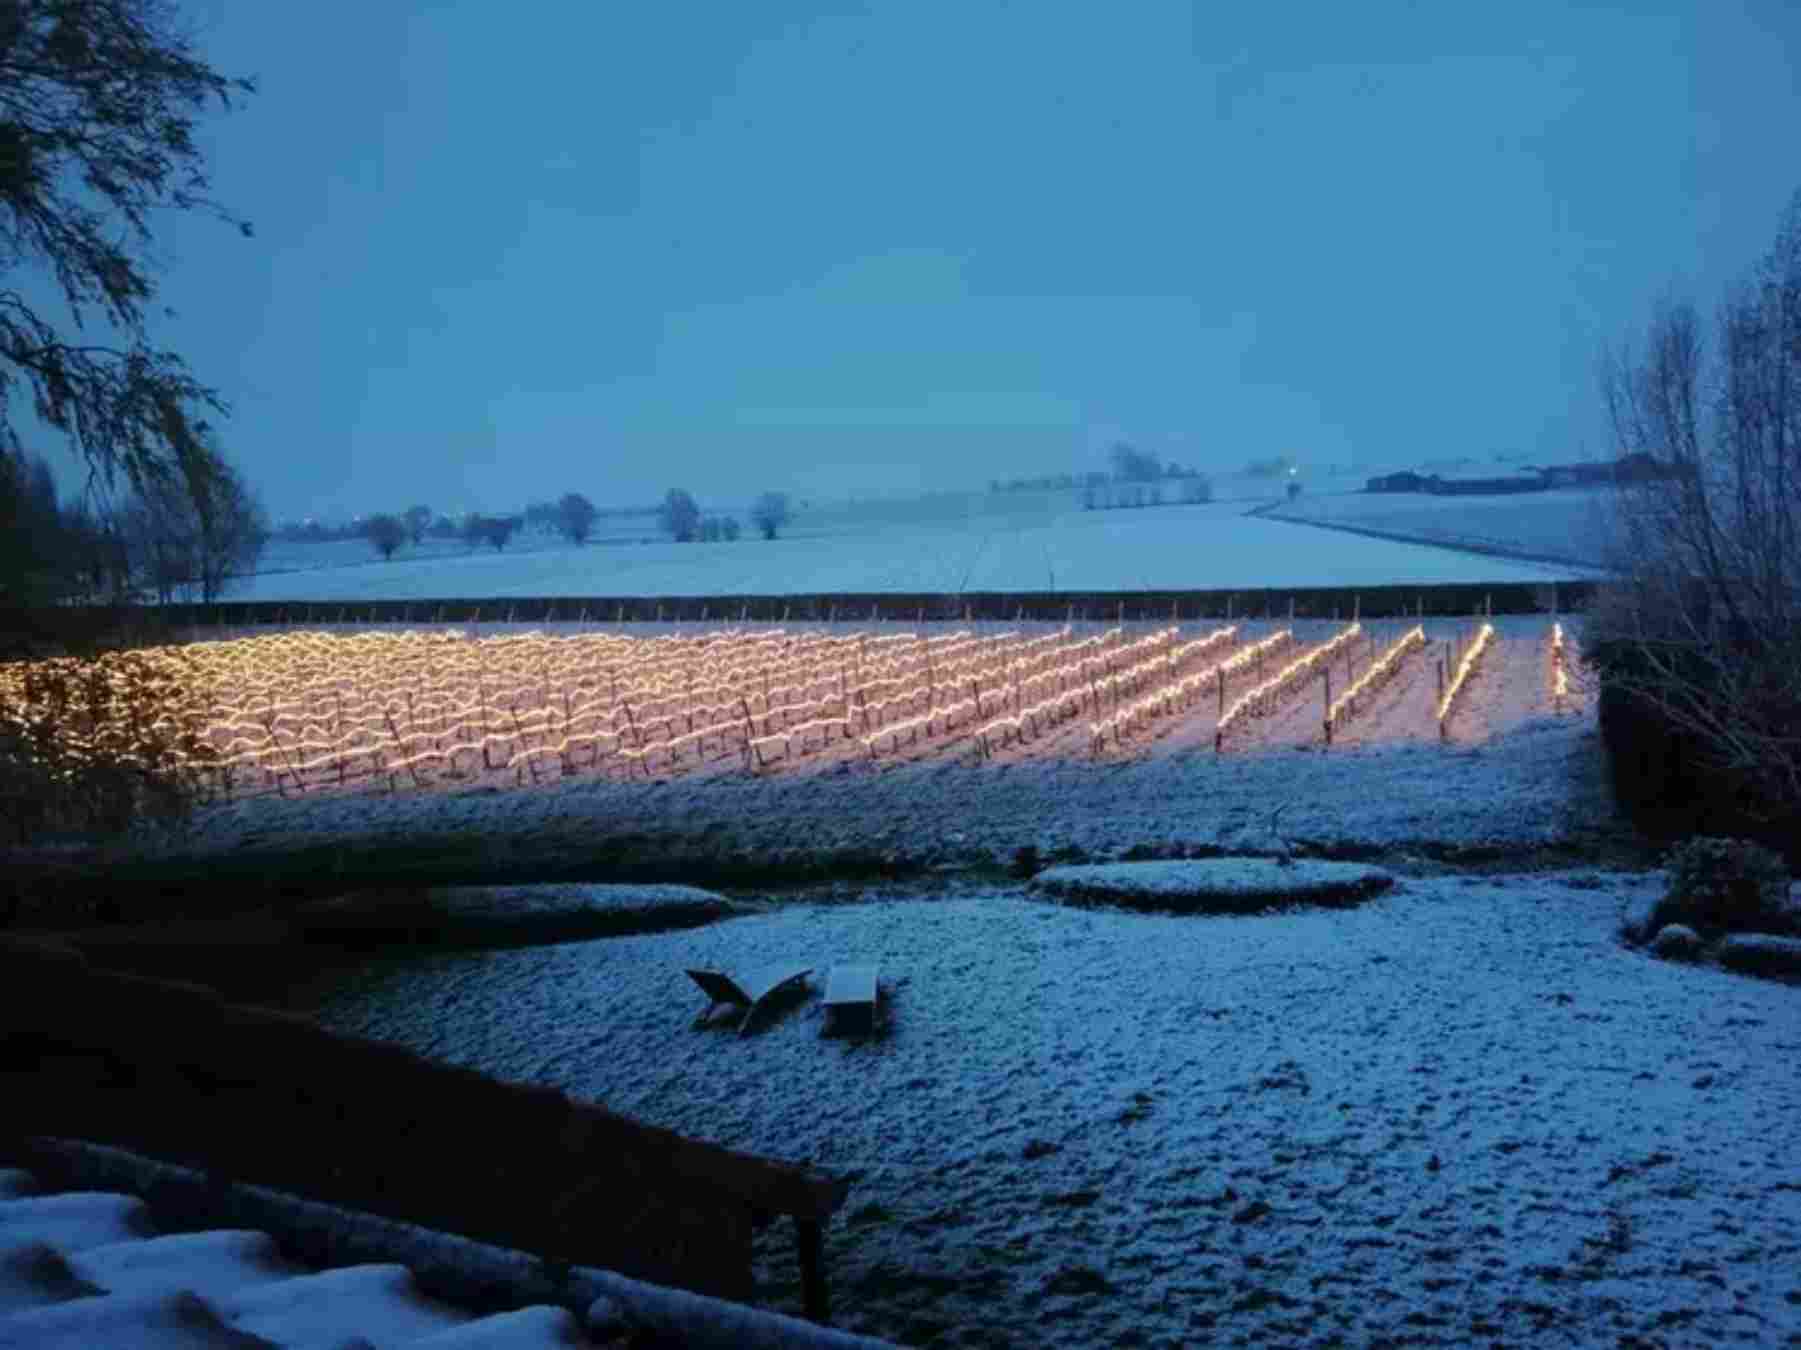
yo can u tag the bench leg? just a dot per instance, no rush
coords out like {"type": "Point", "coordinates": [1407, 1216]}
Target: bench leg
{"type": "Point", "coordinates": [810, 1240]}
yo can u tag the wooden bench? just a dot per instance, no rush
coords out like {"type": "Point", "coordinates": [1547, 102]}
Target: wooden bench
{"type": "Point", "coordinates": [746, 991]}
{"type": "Point", "coordinates": [850, 997]}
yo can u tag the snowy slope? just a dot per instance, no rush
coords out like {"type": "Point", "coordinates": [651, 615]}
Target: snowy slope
{"type": "Point", "coordinates": [1172, 547]}
{"type": "Point", "coordinates": [1566, 523]}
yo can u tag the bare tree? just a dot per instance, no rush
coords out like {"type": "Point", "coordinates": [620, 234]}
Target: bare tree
{"type": "Point", "coordinates": [98, 104]}
{"type": "Point", "coordinates": [770, 512]}
{"type": "Point", "coordinates": [417, 520]}
{"type": "Point", "coordinates": [1133, 465]}
{"type": "Point", "coordinates": [192, 538]}
{"type": "Point", "coordinates": [494, 531]}
{"type": "Point", "coordinates": [575, 517]}
{"type": "Point", "coordinates": [1704, 628]}
{"type": "Point", "coordinates": [386, 532]}
{"type": "Point", "coordinates": [230, 529]}
{"type": "Point", "coordinates": [679, 516]}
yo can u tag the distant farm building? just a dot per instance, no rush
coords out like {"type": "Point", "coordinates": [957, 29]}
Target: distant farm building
{"type": "Point", "coordinates": [1398, 482]}
{"type": "Point", "coordinates": [1638, 467]}
{"type": "Point", "coordinates": [1460, 485]}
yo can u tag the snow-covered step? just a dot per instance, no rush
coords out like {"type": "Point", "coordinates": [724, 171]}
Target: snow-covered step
{"type": "Point", "coordinates": [534, 1328]}
{"type": "Point", "coordinates": [380, 1303]}
{"type": "Point", "coordinates": [85, 1269]}
{"type": "Point", "coordinates": [214, 1265]}
{"type": "Point", "coordinates": [35, 1275]}
{"type": "Point", "coordinates": [125, 1322]}
{"type": "Point", "coordinates": [73, 1220]}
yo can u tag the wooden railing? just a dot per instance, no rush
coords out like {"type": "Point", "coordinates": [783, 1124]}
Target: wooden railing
{"type": "Point", "coordinates": [173, 1071]}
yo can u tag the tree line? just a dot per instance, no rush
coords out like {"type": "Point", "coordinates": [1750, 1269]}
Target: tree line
{"type": "Point", "coordinates": [164, 540]}
{"type": "Point", "coordinates": [682, 520]}
{"type": "Point", "coordinates": [1140, 478]}
{"type": "Point", "coordinates": [572, 516]}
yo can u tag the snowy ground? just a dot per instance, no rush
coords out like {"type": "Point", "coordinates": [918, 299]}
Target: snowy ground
{"type": "Point", "coordinates": [1539, 787]}
{"type": "Point", "coordinates": [1566, 523]}
{"type": "Point", "coordinates": [1162, 548]}
{"type": "Point", "coordinates": [1460, 1113]}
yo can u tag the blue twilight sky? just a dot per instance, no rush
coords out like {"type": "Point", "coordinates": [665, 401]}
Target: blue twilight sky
{"type": "Point", "coordinates": [505, 251]}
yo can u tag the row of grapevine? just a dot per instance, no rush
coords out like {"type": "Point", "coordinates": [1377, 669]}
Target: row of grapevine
{"type": "Point", "coordinates": [295, 712]}
{"type": "Point", "coordinates": [1374, 676]}
{"type": "Point", "coordinates": [1464, 664]}
{"type": "Point", "coordinates": [1262, 697]}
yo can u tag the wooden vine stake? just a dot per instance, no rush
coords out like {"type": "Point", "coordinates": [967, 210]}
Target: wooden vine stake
{"type": "Point", "coordinates": [1327, 677]}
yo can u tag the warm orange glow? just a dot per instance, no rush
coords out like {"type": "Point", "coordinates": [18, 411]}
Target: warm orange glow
{"type": "Point", "coordinates": [1465, 666]}
{"type": "Point", "coordinates": [1560, 674]}
{"type": "Point", "coordinates": [1345, 705]}
{"type": "Point", "coordinates": [1261, 698]}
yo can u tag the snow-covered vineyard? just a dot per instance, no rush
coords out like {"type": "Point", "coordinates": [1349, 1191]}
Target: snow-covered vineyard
{"type": "Point", "coordinates": [305, 713]}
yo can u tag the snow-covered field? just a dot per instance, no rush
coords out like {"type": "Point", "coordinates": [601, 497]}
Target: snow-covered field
{"type": "Point", "coordinates": [1462, 1113]}
{"type": "Point", "coordinates": [1023, 547]}
{"type": "Point", "coordinates": [1567, 523]}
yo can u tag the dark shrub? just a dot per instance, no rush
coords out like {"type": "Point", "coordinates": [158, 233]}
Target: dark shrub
{"type": "Point", "coordinates": [1729, 885]}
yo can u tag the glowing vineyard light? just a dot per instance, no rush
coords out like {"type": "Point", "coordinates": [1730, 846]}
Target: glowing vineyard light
{"type": "Point", "coordinates": [1182, 691]}
{"type": "Point", "coordinates": [308, 710]}
{"type": "Point", "coordinates": [1462, 674]}
{"type": "Point", "coordinates": [1375, 676]}
{"type": "Point", "coordinates": [1167, 697]}
{"type": "Point", "coordinates": [1560, 675]}
{"type": "Point", "coordinates": [1257, 699]}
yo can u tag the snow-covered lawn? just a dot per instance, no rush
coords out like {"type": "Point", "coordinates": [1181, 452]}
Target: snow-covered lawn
{"type": "Point", "coordinates": [1171, 547]}
{"type": "Point", "coordinates": [1462, 1113]}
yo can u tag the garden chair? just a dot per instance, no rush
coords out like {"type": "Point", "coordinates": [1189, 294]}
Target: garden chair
{"type": "Point", "coordinates": [746, 991]}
